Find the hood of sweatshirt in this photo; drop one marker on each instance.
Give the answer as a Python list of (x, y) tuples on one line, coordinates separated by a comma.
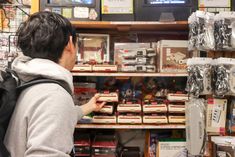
[(28, 69)]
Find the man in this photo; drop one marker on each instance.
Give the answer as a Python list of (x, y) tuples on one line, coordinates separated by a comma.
[(45, 116)]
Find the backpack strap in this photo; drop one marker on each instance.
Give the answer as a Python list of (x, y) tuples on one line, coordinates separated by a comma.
[(43, 80)]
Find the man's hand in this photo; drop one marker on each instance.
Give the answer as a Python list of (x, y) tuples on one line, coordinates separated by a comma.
[(96, 105)]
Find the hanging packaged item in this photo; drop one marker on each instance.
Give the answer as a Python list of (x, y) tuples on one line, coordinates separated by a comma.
[(201, 31), (85, 10), (216, 115), (224, 76), (199, 76), (224, 31), (195, 126)]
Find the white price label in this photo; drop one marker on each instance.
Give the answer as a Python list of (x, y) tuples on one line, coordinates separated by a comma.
[(81, 12), (214, 3)]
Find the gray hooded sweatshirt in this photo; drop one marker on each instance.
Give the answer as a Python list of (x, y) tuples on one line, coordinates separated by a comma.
[(45, 116)]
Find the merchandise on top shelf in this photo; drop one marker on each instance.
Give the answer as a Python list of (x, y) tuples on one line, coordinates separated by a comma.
[(104, 68), (93, 48), (223, 146), (171, 55), (224, 28), (86, 10), (208, 31), (195, 126), (105, 146), (201, 31), (164, 10), (224, 76), (82, 68), (199, 78), (216, 115), (117, 10), (135, 57)]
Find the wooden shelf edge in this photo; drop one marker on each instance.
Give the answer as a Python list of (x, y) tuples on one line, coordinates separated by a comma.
[(131, 74), (132, 25), (129, 126)]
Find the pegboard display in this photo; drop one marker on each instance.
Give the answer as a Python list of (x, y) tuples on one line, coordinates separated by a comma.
[(11, 16)]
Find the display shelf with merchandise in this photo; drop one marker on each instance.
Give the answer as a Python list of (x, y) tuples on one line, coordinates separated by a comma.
[(130, 126), (121, 74)]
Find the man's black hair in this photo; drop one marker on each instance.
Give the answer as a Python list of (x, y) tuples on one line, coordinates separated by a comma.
[(45, 35)]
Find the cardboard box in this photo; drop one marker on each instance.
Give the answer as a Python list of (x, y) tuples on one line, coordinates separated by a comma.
[(104, 119), (216, 115), (171, 55), (170, 148), (152, 119)]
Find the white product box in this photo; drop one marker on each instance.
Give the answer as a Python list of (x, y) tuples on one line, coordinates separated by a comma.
[(171, 55), (104, 68), (154, 108), (129, 119), (155, 119), (170, 148), (104, 119), (82, 68), (107, 109), (176, 119), (176, 108), (216, 115), (129, 108)]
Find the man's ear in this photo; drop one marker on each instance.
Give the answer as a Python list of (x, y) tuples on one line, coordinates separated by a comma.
[(70, 46)]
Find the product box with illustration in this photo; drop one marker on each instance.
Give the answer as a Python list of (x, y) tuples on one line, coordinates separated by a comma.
[(171, 55)]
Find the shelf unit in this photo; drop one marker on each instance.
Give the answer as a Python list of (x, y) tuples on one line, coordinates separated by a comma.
[(129, 126), (132, 26), (119, 74)]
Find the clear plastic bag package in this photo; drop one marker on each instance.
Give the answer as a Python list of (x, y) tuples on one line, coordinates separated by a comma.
[(224, 32), (199, 76), (201, 34), (195, 126), (224, 76)]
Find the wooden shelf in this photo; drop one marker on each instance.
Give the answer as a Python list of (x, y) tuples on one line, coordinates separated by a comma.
[(129, 126), (132, 25), (131, 74)]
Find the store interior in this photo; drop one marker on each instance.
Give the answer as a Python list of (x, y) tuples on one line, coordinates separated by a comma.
[(166, 69)]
